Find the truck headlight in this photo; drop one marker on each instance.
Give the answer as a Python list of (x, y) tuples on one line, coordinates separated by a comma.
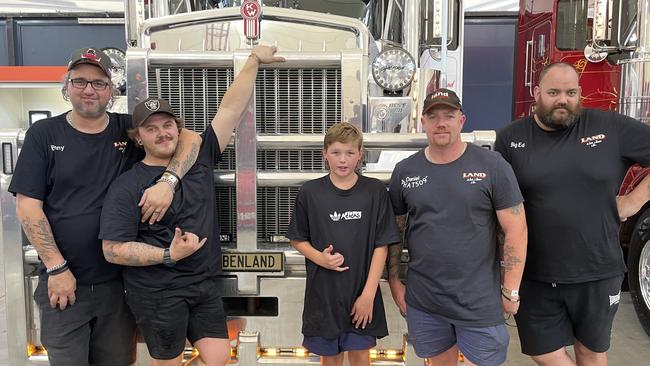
[(393, 69)]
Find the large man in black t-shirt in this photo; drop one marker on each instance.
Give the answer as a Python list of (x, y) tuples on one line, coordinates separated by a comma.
[(570, 163), (172, 264), (63, 172)]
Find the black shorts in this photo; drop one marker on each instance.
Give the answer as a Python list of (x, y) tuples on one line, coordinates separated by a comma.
[(97, 330), (553, 316), (167, 318)]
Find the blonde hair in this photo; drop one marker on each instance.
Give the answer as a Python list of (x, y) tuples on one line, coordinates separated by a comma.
[(343, 132)]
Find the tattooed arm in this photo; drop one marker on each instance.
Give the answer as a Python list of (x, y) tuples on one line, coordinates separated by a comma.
[(156, 199), (397, 288), (61, 287), (515, 240), (138, 254), (629, 204)]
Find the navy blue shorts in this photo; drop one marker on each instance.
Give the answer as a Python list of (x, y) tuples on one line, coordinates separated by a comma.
[(348, 341), (432, 335)]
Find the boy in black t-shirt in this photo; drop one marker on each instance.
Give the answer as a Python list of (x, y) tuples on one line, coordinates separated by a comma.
[(342, 223), (169, 273)]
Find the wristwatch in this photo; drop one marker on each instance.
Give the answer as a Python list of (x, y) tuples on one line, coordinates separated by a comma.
[(167, 258)]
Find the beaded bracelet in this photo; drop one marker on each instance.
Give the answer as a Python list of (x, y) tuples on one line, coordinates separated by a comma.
[(58, 271), (58, 266)]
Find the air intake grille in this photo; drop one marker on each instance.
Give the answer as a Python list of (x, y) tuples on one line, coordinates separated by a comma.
[(287, 100), (274, 207)]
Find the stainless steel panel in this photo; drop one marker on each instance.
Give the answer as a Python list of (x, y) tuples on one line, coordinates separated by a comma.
[(16, 299), (136, 77), (221, 29), (635, 89)]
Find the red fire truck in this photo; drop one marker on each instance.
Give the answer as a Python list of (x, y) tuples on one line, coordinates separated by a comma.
[(607, 42)]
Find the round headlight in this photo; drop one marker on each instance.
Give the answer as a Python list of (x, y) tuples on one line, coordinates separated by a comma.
[(118, 67), (393, 69)]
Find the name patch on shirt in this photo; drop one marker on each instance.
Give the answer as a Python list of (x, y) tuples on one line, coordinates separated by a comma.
[(414, 182), (594, 140)]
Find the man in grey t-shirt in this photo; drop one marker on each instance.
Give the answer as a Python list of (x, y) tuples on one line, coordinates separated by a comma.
[(456, 196)]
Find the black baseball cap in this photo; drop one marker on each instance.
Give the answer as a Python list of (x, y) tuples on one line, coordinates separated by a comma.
[(148, 107), (441, 96), (93, 56)]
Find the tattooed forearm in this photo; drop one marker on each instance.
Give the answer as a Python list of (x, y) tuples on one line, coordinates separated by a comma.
[(510, 259), (395, 251), (40, 236), (132, 253), (184, 158), (191, 158), (394, 260)]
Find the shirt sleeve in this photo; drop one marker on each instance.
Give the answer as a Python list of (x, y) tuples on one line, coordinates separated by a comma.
[(120, 215), (32, 168), (395, 192), (633, 139), (505, 189), (210, 151), (299, 226), (386, 227), (500, 145)]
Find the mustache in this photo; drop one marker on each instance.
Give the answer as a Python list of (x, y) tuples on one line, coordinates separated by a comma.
[(163, 139)]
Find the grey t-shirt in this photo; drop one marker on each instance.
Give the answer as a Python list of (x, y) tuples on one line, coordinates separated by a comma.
[(454, 264)]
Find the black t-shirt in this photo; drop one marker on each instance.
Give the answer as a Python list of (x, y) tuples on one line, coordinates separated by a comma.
[(192, 209), (454, 266), (355, 222), (570, 179), (70, 171)]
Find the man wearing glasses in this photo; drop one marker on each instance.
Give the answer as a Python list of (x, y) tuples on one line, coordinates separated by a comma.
[(65, 167)]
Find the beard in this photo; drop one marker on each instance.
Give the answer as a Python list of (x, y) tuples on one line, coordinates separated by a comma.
[(546, 116)]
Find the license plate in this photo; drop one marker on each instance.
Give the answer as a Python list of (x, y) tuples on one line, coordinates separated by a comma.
[(253, 262)]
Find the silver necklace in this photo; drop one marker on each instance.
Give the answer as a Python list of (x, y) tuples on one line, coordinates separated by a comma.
[(68, 117)]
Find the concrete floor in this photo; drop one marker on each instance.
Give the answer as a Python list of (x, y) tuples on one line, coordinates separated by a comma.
[(630, 344)]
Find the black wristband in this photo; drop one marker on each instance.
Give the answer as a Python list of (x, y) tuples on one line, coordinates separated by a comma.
[(58, 271)]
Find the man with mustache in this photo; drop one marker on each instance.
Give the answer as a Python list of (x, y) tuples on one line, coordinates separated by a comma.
[(570, 163), (456, 195), (171, 266)]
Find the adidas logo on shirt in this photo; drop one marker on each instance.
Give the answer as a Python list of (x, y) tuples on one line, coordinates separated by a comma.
[(349, 215)]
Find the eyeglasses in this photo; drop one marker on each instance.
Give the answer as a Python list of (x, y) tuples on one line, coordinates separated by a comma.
[(80, 83)]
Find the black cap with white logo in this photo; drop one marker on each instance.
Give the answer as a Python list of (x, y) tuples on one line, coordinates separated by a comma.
[(148, 107), (441, 96)]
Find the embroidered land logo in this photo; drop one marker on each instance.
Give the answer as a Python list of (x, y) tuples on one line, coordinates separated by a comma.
[(414, 182), (594, 140), (348, 215), (120, 145), (472, 178)]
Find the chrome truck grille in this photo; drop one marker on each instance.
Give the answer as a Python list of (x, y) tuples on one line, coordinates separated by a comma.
[(288, 101)]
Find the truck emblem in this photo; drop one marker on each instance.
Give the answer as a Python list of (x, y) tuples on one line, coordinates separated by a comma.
[(251, 10)]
